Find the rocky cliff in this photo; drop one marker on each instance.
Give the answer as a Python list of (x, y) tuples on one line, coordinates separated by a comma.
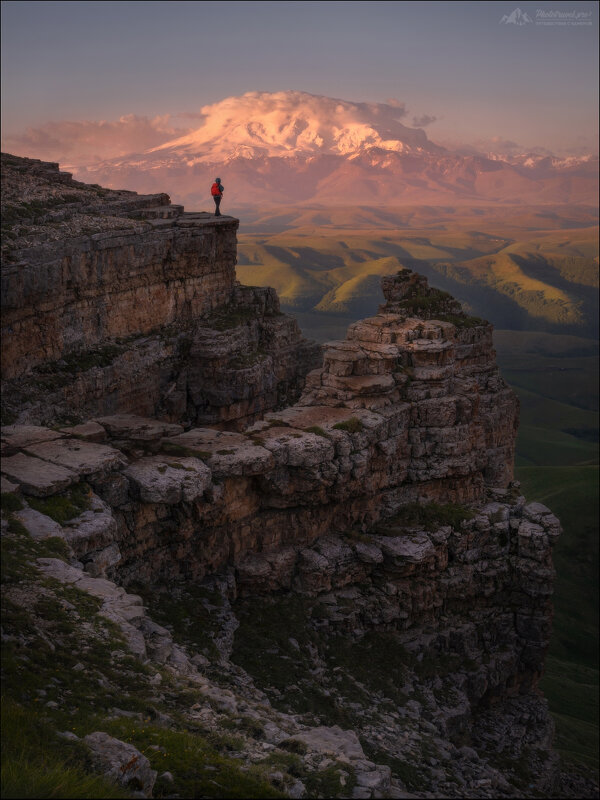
[(353, 583), (113, 301)]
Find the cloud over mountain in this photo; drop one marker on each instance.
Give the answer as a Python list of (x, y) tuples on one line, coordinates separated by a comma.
[(285, 123), (84, 142), (294, 147)]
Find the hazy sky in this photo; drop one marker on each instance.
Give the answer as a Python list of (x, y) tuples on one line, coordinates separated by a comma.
[(535, 84)]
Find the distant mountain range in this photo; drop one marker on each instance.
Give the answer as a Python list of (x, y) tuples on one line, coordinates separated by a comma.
[(294, 147)]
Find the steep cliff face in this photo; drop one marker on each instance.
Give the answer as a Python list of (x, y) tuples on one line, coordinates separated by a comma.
[(112, 301), (368, 537), (405, 410)]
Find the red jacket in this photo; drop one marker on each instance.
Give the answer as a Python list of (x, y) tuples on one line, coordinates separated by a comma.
[(215, 190)]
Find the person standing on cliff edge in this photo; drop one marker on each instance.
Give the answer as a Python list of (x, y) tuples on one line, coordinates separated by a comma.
[(217, 192)]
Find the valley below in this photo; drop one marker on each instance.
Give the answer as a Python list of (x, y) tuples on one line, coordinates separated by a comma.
[(533, 272)]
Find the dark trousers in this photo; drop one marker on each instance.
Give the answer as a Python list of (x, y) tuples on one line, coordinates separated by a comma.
[(217, 199)]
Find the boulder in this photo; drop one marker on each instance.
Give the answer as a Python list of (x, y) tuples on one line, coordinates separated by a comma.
[(332, 741), (121, 763), (139, 429)]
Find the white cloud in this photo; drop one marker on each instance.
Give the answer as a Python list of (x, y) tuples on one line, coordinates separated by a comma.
[(282, 123), (85, 142)]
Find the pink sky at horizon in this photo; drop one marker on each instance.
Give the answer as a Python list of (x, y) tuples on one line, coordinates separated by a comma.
[(84, 81)]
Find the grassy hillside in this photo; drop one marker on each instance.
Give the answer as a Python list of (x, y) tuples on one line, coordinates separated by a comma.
[(524, 269), (556, 378), (571, 679)]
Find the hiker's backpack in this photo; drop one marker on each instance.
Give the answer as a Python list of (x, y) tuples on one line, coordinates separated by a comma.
[(215, 190)]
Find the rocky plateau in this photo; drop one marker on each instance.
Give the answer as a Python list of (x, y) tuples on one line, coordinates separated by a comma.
[(324, 553)]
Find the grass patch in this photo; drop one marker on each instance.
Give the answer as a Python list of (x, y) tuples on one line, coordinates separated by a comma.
[(462, 320), (227, 317), (571, 678), (376, 660), (38, 764), (189, 611), (74, 363), (572, 691), (336, 780), (266, 626), (10, 502), (172, 449), (317, 430), (375, 663), (408, 773), (18, 551), (435, 302), (246, 725), (352, 425), (198, 768), (63, 507)]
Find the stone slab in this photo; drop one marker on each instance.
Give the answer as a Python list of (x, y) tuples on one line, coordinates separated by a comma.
[(332, 741), (306, 417), (207, 440), (120, 762), (90, 431), (84, 458), (411, 547), (15, 437), (37, 477), (92, 530), (169, 479), (226, 453), (366, 384), (296, 448), (56, 568)]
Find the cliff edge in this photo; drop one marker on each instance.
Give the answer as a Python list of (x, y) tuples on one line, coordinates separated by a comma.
[(119, 302), (210, 533)]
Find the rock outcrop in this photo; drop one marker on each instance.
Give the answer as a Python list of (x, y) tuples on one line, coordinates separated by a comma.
[(367, 506), (113, 301), (404, 410)]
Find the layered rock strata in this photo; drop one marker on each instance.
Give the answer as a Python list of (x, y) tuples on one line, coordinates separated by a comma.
[(118, 302), (459, 609), (404, 410), (407, 416)]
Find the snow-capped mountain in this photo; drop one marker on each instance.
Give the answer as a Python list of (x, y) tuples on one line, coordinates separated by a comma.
[(282, 124), (294, 147)]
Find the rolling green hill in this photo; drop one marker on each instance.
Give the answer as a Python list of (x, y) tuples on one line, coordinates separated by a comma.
[(520, 268), (556, 378)]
